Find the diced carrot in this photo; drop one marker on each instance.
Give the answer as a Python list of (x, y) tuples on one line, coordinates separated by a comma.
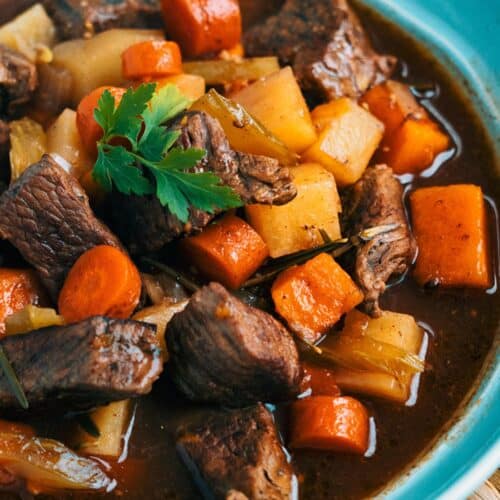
[(313, 297), (413, 146), (335, 424), (18, 288), (151, 59), (103, 281), (450, 225), (391, 102), (7, 427), (229, 251), (90, 131), (202, 26), (320, 380)]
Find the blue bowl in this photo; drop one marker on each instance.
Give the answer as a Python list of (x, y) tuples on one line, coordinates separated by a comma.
[(463, 35)]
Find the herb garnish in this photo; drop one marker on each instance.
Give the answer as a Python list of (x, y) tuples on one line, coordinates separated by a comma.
[(139, 118), (12, 380)]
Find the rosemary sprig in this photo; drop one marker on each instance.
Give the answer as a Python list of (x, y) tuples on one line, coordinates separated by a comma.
[(335, 248), (176, 275), (12, 380)]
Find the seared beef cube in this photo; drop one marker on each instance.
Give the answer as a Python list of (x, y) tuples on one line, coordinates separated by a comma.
[(375, 200), (4, 146), (145, 226), (83, 18), (237, 454), (325, 43), (46, 215), (82, 365), (223, 351), (18, 81)]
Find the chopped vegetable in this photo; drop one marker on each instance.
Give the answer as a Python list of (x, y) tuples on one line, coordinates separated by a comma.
[(348, 137), (376, 356), (97, 61), (28, 143), (111, 421), (103, 281), (277, 102), (162, 288), (320, 380), (203, 26), (229, 70), (90, 131), (298, 224), (451, 228), (190, 86), (160, 315), (138, 119), (228, 251), (314, 296), (18, 288), (31, 318), (48, 464), (339, 424), (391, 102), (411, 140), (243, 132), (32, 33), (64, 139), (413, 146), (151, 59)]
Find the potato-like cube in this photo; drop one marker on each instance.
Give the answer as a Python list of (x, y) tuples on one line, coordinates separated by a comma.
[(111, 422), (97, 61), (391, 102), (63, 139), (395, 329), (348, 137), (192, 86), (451, 228), (295, 226), (277, 102)]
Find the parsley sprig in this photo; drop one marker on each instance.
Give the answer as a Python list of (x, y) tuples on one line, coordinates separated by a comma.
[(140, 118)]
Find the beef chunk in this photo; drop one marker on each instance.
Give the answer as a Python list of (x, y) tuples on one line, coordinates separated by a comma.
[(375, 200), (83, 18), (237, 454), (46, 215), (4, 146), (223, 351), (144, 225), (326, 45), (82, 365), (18, 81)]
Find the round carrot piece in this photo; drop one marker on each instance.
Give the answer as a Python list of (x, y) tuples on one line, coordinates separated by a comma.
[(151, 59), (103, 281), (90, 131)]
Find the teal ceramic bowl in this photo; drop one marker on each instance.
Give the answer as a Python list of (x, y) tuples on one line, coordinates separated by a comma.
[(463, 35)]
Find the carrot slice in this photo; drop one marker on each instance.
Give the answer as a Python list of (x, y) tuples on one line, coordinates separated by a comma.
[(451, 228), (202, 26), (229, 251), (151, 59), (90, 131), (18, 288), (320, 380), (313, 297), (325, 423), (103, 281)]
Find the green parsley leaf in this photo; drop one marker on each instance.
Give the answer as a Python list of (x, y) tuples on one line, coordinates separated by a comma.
[(140, 117), (116, 164)]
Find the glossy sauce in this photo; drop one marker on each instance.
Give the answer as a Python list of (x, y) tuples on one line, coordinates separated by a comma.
[(461, 326)]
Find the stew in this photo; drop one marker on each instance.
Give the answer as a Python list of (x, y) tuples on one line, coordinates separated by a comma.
[(277, 233)]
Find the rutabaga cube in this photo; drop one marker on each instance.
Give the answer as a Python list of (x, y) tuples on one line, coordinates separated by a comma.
[(277, 102), (348, 137), (295, 226)]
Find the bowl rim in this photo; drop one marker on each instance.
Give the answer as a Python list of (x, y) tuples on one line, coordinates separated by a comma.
[(468, 451)]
